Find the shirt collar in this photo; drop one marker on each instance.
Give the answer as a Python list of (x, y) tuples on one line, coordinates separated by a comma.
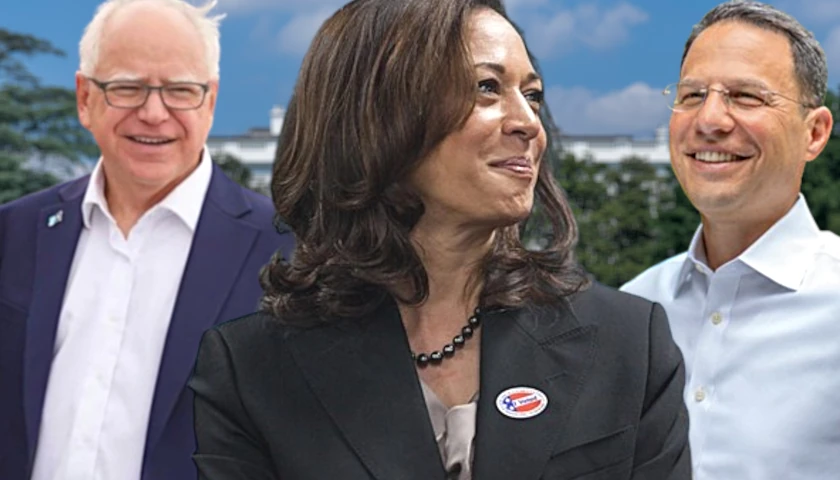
[(783, 254), (185, 200), (694, 260)]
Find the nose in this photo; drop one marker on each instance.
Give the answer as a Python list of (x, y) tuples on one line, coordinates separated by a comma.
[(153, 111), (521, 119), (714, 117)]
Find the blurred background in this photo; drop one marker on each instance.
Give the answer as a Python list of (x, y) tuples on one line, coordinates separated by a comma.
[(605, 64)]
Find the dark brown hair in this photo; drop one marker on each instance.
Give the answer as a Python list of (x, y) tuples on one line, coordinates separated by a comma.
[(383, 83)]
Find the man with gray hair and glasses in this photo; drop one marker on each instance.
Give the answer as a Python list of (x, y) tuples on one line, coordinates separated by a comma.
[(108, 282), (754, 303)]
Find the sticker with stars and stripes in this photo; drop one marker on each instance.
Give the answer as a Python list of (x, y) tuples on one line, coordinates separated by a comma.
[(521, 402)]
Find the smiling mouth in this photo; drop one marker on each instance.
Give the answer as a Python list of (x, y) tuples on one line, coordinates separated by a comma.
[(153, 141), (717, 157), (520, 166)]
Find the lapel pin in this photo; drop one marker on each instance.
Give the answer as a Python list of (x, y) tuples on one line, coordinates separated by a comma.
[(521, 402), (55, 218)]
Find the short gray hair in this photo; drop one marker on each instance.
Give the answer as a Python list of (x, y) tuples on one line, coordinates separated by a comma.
[(206, 26), (808, 56)]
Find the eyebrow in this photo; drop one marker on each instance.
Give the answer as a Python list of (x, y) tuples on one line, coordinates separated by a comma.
[(124, 77), (500, 69), (133, 77), (190, 79), (730, 83)]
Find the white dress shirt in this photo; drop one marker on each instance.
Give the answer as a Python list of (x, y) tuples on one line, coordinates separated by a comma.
[(761, 341), (111, 332)]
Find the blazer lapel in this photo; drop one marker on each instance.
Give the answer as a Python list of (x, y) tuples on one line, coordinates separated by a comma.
[(220, 247), (58, 227), (545, 349), (363, 375)]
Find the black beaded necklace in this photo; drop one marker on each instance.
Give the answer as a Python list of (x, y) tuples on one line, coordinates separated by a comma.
[(435, 358)]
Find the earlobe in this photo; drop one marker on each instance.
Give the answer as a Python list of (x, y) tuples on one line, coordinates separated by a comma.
[(820, 126)]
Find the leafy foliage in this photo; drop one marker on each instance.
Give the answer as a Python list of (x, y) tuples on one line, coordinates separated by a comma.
[(631, 215), (36, 121), (234, 168), (16, 181)]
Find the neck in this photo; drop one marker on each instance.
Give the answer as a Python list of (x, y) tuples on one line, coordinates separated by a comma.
[(128, 201), (726, 239), (452, 258)]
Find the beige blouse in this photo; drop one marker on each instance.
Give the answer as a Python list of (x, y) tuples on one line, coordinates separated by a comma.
[(454, 433)]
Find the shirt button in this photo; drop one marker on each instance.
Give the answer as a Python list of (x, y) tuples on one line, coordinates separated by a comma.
[(698, 267), (717, 318), (699, 395)]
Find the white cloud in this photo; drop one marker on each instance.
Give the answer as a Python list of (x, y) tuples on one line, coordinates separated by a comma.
[(550, 31), (587, 24), (613, 26), (635, 109), (295, 37)]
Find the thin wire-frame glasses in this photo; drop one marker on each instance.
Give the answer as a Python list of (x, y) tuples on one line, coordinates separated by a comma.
[(685, 97)]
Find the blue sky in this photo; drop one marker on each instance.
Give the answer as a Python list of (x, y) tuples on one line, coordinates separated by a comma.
[(604, 61)]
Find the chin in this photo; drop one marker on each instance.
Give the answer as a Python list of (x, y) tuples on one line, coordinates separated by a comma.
[(154, 175), (710, 203), (512, 218)]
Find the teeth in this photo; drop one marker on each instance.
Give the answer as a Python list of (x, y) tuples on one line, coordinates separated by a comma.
[(715, 157), (151, 141)]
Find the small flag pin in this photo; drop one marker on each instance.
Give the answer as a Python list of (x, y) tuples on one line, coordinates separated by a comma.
[(55, 218)]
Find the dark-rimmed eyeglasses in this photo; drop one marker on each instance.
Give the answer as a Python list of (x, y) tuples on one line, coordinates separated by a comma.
[(686, 97), (175, 96)]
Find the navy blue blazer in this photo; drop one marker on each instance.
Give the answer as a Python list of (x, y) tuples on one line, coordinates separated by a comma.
[(234, 238)]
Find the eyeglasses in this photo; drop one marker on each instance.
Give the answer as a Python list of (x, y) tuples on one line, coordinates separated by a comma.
[(175, 96), (686, 97)]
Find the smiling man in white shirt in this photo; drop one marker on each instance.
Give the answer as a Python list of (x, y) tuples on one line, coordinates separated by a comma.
[(754, 303), (108, 282)]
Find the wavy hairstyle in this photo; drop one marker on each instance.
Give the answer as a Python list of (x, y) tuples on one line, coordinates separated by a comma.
[(383, 83)]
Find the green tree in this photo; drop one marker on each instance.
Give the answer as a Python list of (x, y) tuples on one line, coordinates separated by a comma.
[(616, 207), (16, 181), (631, 215), (234, 168), (239, 173), (677, 219), (36, 121)]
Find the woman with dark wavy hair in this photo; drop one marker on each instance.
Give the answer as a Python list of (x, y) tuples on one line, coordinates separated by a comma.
[(412, 335)]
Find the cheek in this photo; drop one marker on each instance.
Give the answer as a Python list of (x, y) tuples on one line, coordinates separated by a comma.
[(677, 126), (541, 145), (774, 135), (106, 123), (195, 124)]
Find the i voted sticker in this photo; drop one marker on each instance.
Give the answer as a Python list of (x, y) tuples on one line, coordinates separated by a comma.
[(521, 402)]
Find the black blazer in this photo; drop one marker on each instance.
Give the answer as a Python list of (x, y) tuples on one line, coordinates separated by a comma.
[(344, 401)]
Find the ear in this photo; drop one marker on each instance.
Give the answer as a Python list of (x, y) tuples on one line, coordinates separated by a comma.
[(820, 125), (83, 100), (212, 92)]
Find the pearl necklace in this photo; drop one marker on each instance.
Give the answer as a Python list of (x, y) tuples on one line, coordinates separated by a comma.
[(435, 358)]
